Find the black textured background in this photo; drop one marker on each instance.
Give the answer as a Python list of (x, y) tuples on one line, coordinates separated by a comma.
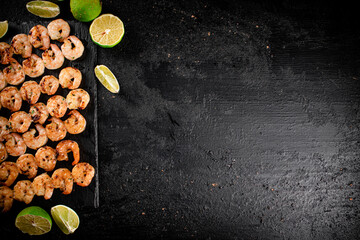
[(235, 120)]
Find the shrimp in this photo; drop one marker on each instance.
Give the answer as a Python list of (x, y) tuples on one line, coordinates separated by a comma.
[(30, 91), (77, 99), (3, 152), (21, 45), (20, 121), (66, 146), (6, 52), (83, 173), (39, 113), (39, 37), (10, 98), (8, 173), (6, 198), (14, 74), (45, 158), (76, 123), (3, 82), (34, 66), (56, 130), (49, 84), (53, 57), (23, 191), (27, 165), (70, 78), (4, 127), (57, 106), (62, 179), (72, 48), (35, 142), (43, 186), (58, 30), (15, 145)]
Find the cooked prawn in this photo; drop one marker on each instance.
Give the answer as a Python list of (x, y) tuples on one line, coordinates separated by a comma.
[(62, 179), (57, 106), (21, 45), (10, 98), (35, 142), (76, 123), (72, 48), (27, 165), (53, 57), (20, 121), (23, 191), (14, 74), (77, 99), (3, 152), (4, 127), (39, 37), (66, 146), (3, 82), (43, 186), (83, 173), (70, 78), (30, 91), (15, 145), (45, 158), (49, 84), (8, 173), (39, 113), (56, 130), (58, 30), (6, 198), (6, 52), (34, 66)]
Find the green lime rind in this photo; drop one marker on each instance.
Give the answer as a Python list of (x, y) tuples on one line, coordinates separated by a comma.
[(34, 221), (85, 10), (65, 218), (44, 9), (108, 46)]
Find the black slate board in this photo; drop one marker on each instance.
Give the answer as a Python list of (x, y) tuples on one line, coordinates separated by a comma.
[(84, 198)]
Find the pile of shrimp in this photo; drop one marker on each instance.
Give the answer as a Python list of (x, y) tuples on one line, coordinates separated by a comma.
[(52, 120)]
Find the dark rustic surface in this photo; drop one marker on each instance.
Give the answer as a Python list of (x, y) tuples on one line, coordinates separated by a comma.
[(234, 121)]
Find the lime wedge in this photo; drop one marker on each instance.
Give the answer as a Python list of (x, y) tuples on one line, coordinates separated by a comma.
[(107, 30), (107, 78), (4, 25), (65, 218), (44, 9), (33, 221)]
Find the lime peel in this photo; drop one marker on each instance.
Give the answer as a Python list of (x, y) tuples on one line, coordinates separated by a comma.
[(33, 221), (65, 218), (107, 78), (107, 30), (44, 9)]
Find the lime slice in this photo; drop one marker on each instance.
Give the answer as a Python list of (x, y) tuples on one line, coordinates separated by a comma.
[(43, 9), (34, 221), (66, 218), (107, 78), (3, 28), (107, 30)]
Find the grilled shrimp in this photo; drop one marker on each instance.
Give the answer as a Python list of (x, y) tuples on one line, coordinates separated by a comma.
[(10, 98), (23, 191), (76, 123), (39, 37), (8, 173), (72, 48), (30, 91), (34, 66), (43, 186), (6, 198), (70, 78), (20, 121), (77, 99), (49, 84), (66, 146), (3, 152), (3, 82), (4, 127), (14, 74), (45, 158), (6, 52), (57, 106), (35, 142), (39, 113), (15, 145), (62, 179), (53, 57), (27, 165), (58, 30), (21, 45), (83, 173), (56, 130)]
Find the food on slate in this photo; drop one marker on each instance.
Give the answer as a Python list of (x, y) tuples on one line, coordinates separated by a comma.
[(4, 25), (107, 78), (85, 10), (107, 30), (66, 218), (44, 9), (33, 221)]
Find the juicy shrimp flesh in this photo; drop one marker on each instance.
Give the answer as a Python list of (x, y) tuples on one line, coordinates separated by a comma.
[(58, 30), (45, 158), (76, 123), (23, 191), (57, 106), (56, 130), (39, 37), (14, 74), (63, 179), (3, 152), (30, 91), (21, 45), (6, 198), (72, 48), (10, 98), (43, 186), (34, 142), (6, 52), (77, 99), (49, 84), (39, 113), (3, 82), (20, 121), (4, 127), (53, 57), (70, 78), (83, 173), (15, 145), (66, 146), (33, 66), (8, 173), (27, 165)]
